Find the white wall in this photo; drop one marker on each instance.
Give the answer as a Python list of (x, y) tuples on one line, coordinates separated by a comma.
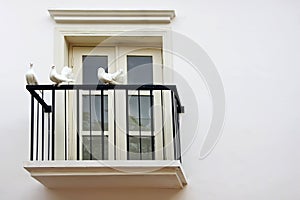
[(255, 46)]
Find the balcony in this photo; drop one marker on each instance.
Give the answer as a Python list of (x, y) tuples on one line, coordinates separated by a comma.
[(102, 136)]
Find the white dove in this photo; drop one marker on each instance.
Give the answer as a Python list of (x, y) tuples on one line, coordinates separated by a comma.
[(58, 78), (67, 72), (30, 76), (108, 78)]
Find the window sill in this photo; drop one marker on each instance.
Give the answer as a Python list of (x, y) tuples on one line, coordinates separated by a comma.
[(107, 174)]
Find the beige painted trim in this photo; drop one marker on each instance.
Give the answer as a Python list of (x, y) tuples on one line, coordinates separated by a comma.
[(112, 16)]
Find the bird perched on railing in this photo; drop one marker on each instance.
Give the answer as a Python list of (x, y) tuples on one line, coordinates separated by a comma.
[(60, 78), (67, 72), (110, 78), (30, 76)]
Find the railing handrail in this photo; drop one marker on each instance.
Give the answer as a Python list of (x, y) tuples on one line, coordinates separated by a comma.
[(32, 89), (102, 87)]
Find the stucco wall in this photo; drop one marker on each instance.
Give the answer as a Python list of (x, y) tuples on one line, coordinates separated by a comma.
[(254, 46)]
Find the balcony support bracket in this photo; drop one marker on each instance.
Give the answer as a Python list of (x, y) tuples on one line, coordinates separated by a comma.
[(47, 108)]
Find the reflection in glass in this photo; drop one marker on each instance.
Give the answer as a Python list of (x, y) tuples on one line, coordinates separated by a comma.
[(144, 112), (139, 70), (134, 148), (90, 65), (96, 152), (93, 119)]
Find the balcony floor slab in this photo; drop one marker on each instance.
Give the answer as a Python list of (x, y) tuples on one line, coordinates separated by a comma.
[(108, 174)]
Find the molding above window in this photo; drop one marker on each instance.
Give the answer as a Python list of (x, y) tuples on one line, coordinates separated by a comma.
[(112, 16)]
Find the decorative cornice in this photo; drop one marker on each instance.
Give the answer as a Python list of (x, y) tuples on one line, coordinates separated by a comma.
[(112, 16)]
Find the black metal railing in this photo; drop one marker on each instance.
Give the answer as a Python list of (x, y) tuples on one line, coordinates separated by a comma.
[(68, 122)]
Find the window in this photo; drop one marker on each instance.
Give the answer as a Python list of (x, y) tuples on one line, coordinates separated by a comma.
[(94, 115), (142, 65), (141, 143)]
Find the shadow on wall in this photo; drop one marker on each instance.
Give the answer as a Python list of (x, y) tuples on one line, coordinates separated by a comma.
[(115, 194)]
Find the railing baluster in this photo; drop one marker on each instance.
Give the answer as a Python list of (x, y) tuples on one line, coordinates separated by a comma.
[(37, 130), (91, 144), (48, 125), (173, 126), (177, 138), (102, 124), (115, 126), (162, 124), (77, 127), (65, 106), (178, 135), (152, 124), (127, 126), (32, 129), (175, 123), (140, 124), (53, 125), (43, 128)]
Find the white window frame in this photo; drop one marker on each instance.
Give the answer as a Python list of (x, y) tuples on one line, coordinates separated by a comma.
[(78, 23)]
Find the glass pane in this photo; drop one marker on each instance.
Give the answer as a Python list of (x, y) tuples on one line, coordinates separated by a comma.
[(133, 117), (96, 152), (144, 112), (90, 65), (147, 148), (95, 114), (139, 70), (134, 148)]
